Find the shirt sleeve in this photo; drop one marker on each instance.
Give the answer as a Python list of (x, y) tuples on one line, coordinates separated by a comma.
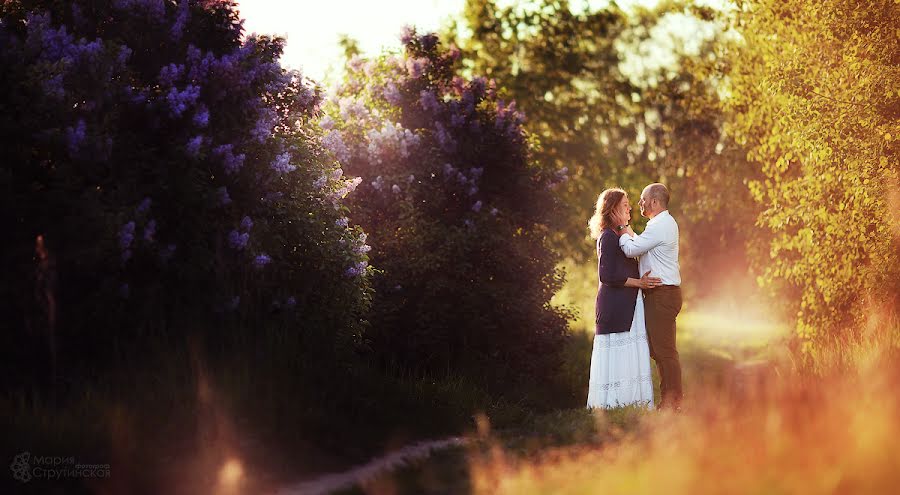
[(612, 272), (635, 246)]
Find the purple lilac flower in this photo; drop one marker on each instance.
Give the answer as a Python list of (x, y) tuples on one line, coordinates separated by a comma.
[(428, 101), (341, 222), (170, 74), (428, 41), (392, 94), (53, 86), (193, 146), (348, 187), (445, 140), (508, 119), (357, 269), (75, 136), (231, 162), (477, 206), (334, 142), (238, 240), (473, 190), (369, 68), (262, 129), (407, 33), (290, 302), (320, 182), (410, 179), (181, 20), (201, 118), (362, 248), (469, 223), (456, 119), (416, 67), (326, 123), (144, 205), (494, 211), (150, 231), (262, 260), (396, 189), (246, 224), (179, 101), (352, 107), (282, 164), (126, 235), (378, 183), (356, 63)]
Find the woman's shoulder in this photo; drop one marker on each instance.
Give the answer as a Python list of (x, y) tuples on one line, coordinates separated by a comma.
[(608, 237), (606, 234)]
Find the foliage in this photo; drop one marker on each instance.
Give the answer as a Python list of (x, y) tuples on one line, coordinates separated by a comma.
[(562, 68), (459, 218), (613, 125), (812, 93), (172, 173)]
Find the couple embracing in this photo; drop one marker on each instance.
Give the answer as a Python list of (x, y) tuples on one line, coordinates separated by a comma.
[(638, 299)]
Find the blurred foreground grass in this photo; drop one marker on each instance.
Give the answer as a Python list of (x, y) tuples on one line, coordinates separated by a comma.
[(757, 420)]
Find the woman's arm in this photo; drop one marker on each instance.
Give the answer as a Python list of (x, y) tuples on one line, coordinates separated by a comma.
[(612, 273)]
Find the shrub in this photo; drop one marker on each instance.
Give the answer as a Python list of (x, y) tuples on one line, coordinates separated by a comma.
[(172, 177), (458, 216)]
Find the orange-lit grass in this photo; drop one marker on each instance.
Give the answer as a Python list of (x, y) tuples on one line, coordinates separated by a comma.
[(763, 433)]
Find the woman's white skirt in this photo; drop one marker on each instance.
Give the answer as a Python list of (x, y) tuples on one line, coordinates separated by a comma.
[(620, 366)]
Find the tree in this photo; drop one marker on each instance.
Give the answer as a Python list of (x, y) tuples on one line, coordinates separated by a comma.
[(458, 216), (812, 95), (615, 127), (170, 176)]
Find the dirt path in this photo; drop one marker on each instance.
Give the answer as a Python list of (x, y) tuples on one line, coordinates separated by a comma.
[(378, 466)]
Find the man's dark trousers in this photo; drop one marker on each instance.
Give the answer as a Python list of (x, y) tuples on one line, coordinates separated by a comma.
[(662, 306)]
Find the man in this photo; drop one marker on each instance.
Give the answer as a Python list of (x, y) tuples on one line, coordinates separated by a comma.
[(657, 247)]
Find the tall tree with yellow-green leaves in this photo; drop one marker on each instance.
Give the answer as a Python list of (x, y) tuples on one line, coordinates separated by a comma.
[(814, 95)]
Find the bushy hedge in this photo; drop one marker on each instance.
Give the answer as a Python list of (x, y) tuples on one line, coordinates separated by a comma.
[(174, 177), (458, 216)]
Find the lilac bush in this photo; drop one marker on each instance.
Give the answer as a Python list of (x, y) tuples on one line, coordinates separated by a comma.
[(458, 217), (156, 148)]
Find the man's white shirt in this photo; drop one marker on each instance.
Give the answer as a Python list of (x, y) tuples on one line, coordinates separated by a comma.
[(657, 247)]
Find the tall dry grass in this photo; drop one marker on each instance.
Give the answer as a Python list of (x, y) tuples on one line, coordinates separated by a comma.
[(828, 425)]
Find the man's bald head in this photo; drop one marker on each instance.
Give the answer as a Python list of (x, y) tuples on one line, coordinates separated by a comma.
[(654, 199), (660, 193)]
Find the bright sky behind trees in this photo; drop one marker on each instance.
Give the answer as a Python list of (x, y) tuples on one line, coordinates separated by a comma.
[(313, 28)]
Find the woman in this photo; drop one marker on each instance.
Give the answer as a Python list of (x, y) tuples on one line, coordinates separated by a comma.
[(620, 363)]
